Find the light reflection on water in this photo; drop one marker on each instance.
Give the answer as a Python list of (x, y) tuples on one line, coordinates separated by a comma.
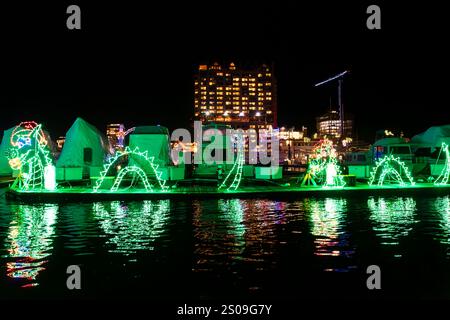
[(30, 241), (239, 242), (131, 227), (393, 218), (442, 206), (326, 220)]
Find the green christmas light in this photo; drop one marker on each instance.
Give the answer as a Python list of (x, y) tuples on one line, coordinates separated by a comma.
[(137, 170), (445, 173), (30, 155), (442, 207), (30, 240), (326, 217), (393, 217), (134, 226), (390, 169), (323, 167), (236, 170)]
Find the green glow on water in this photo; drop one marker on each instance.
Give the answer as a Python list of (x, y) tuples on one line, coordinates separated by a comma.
[(235, 213), (132, 227), (30, 240), (326, 216), (393, 218), (442, 206)]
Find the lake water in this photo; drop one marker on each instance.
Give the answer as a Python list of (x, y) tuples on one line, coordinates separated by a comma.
[(215, 249)]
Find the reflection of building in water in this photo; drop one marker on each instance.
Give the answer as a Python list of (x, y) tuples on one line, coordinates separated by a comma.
[(134, 226), (30, 240), (392, 218), (442, 205), (326, 218)]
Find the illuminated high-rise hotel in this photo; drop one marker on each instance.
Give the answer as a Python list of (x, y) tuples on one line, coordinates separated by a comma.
[(237, 97)]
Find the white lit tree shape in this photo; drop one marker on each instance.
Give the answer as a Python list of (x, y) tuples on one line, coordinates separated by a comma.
[(323, 167)]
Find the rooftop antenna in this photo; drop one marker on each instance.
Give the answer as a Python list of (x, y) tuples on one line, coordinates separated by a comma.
[(340, 78)]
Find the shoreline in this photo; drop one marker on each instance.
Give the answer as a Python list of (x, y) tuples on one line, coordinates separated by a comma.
[(87, 194)]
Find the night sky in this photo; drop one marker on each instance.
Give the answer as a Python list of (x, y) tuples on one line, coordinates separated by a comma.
[(135, 64)]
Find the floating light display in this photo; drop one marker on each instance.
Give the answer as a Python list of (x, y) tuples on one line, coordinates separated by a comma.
[(445, 173), (236, 170), (30, 155), (145, 162), (390, 169)]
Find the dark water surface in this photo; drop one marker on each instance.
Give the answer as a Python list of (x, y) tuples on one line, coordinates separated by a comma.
[(308, 248)]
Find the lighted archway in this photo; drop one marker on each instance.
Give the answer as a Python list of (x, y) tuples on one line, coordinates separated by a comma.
[(143, 159), (135, 170), (390, 169)]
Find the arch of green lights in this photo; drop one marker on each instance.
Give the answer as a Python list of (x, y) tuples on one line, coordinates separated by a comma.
[(136, 171), (144, 158), (386, 170), (445, 173), (235, 174)]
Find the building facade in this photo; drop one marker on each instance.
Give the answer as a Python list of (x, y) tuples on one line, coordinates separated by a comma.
[(329, 125), (237, 97)]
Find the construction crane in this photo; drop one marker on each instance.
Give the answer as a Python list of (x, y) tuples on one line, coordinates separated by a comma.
[(340, 78)]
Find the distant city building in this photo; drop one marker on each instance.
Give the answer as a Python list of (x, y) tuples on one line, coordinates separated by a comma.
[(295, 146), (60, 143), (237, 97), (116, 134), (329, 125)]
